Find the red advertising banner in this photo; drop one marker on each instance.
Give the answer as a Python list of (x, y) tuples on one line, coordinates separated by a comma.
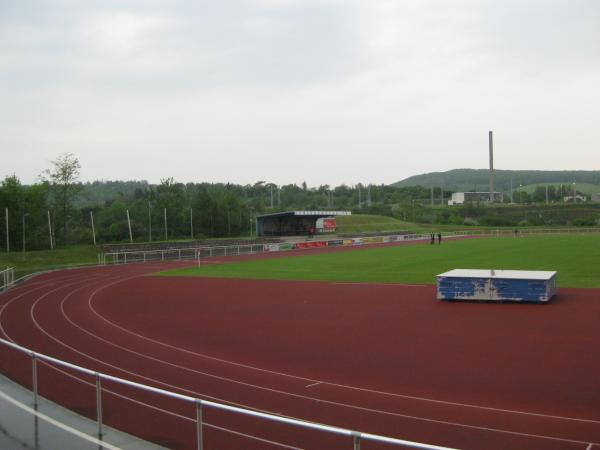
[(301, 245)]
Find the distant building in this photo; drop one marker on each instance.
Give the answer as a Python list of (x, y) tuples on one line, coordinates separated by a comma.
[(578, 198), (458, 198), (596, 197)]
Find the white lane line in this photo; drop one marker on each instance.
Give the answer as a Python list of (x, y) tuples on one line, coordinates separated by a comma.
[(311, 380), (103, 279), (58, 424), (371, 410), (314, 384), (589, 447)]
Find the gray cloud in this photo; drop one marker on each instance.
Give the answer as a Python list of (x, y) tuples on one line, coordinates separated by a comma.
[(287, 90)]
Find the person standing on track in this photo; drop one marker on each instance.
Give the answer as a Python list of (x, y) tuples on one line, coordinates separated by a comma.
[(439, 238)]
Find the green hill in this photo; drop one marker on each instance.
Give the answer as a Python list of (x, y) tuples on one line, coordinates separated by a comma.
[(478, 179)]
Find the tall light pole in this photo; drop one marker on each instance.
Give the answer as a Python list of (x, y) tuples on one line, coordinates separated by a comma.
[(191, 224), (520, 193), (491, 152), (149, 223), (7, 235), (24, 215), (129, 226), (166, 234), (50, 231), (93, 229)]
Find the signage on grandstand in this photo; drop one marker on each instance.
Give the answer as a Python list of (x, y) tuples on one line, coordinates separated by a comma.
[(326, 224)]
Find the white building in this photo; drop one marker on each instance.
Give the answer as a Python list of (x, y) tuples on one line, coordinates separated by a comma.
[(578, 198), (458, 198)]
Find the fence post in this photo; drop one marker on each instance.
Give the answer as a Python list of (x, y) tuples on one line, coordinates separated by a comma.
[(34, 380), (199, 439), (356, 440), (99, 404)]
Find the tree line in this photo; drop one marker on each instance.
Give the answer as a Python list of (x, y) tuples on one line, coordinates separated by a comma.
[(61, 210)]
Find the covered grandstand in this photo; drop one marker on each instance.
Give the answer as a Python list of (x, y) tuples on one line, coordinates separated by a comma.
[(295, 223)]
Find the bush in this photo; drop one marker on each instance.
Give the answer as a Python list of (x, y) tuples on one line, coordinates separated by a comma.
[(585, 222)]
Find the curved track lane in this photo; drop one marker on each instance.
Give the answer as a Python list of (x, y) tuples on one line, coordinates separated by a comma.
[(379, 358)]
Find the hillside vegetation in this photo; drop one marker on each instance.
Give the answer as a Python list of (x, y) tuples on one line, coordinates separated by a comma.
[(478, 179)]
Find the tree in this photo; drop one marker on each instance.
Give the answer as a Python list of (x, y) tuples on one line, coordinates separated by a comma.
[(63, 178)]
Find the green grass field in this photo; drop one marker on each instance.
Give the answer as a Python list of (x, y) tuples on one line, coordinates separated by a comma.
[(35, 261), (575, 257)]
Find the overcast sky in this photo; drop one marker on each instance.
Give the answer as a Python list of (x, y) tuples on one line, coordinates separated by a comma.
[(322, 91)]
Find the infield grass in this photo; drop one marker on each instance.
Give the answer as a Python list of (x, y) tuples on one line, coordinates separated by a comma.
[(575, 257)]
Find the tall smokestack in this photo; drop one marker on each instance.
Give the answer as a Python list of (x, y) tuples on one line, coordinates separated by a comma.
[(491, 139)]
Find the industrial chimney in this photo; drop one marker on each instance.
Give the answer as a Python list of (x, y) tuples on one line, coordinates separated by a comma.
[(491, 140)]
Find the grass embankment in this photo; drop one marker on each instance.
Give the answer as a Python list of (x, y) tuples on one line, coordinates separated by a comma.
[(365, 223), (575, 257), (36, 261)]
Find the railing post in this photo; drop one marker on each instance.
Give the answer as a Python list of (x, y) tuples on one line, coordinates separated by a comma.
[(34, 380), (99, 404), (356, 440), (200, 444)]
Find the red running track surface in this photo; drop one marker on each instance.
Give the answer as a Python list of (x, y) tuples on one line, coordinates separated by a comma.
[(384, 359)]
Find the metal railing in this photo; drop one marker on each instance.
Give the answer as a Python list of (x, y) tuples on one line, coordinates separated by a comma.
[(175, 254), (355, 436), (8, 278)]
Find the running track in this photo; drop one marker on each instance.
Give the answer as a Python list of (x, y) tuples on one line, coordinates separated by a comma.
[(385, 359)]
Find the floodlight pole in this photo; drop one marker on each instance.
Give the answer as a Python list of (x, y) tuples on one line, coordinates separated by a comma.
[(129, 225), (191, 224), (149, 223), (7, 235), (50, 231), (166, 233), (93, 229), (24, 215), (491, 145)]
